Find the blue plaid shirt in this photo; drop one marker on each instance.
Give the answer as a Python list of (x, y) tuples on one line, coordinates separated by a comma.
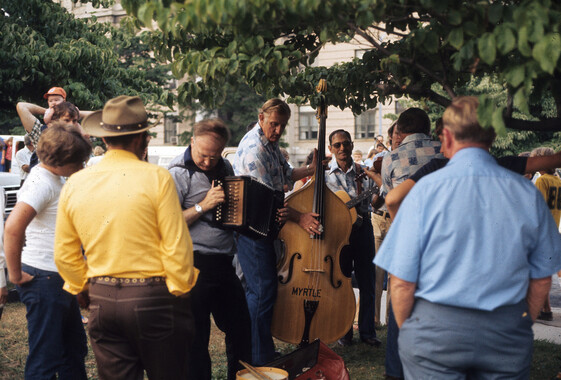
[(414, 152), (258, 157), (337, 180)]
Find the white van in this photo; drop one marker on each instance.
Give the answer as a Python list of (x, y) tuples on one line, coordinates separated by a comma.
[(9, 181)]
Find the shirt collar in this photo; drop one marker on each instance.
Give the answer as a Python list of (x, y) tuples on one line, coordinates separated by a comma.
[(333, 166), (217, 172), (414, 137), (471, 153), (120, 153)]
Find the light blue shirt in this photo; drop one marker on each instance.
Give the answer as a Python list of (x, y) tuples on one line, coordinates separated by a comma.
[(472, 235), (336, 180), (258, 157)]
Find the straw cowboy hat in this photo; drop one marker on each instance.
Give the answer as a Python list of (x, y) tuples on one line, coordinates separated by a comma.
[(123, 115)]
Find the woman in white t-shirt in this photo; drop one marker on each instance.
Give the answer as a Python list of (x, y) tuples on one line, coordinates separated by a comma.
[(56, 337)]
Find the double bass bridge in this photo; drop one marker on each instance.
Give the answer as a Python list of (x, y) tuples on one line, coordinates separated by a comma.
[(311, 270)]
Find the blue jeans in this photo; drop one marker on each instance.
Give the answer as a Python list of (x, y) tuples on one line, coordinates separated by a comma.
[(393, 362), (56, 337), (258, 261)]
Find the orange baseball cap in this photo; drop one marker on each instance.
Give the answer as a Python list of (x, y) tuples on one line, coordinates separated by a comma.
[(55, 91)]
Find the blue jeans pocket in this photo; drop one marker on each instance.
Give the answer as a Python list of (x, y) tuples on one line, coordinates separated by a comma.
[(155, 322)]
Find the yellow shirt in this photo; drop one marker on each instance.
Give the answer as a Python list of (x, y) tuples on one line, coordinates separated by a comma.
[(550, 187), (126, 215)]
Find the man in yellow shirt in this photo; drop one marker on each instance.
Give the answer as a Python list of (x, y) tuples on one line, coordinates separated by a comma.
[(138, 264), (550, 187)]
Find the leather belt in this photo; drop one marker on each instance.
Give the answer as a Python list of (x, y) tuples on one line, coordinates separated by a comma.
[(384, 214), (118, 281)]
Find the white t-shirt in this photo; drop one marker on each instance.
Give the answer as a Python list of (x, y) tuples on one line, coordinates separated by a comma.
[(41, 191), (23, 157)]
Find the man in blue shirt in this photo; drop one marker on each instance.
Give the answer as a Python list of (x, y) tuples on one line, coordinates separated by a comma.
[(474, 270)]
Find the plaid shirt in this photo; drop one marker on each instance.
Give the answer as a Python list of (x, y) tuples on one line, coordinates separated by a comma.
[(258, 157), (415, 151), (36, 131)]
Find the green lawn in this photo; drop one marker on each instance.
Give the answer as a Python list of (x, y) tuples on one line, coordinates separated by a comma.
[(363, 362)]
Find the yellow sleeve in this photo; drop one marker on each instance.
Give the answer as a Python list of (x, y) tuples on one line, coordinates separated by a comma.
[(68, 253), (176, 245), (543, 187)]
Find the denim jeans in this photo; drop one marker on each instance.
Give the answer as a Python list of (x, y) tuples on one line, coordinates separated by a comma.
[(258, 262), (56, 337), (393, 362)]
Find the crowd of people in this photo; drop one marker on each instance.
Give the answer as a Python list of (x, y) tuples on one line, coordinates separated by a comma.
[(467, 243)]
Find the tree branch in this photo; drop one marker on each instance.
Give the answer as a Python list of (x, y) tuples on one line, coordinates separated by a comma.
[(407, 61), (547, 125)]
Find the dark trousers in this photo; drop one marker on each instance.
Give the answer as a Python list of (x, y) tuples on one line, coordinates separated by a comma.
[(219, 292), (139, 327), (358, 256), (393, 362), (56, 336)]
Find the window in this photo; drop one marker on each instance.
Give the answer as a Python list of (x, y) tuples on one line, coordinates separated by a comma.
[(308, 126), (365, 125), (170, 130)]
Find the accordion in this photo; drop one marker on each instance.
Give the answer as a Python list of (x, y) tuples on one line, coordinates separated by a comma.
[(250, 207)]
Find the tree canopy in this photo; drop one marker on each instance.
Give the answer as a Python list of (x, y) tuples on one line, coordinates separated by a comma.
[(42, 45), (423, 49)]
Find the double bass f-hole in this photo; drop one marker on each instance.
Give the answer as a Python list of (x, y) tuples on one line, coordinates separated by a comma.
[(290, 269)]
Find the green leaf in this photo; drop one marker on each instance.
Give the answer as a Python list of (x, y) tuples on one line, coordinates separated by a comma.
[(547, 51), (456, 38), (515, 75), (485, 111), (506, 41), (487, 48), (498, 121), (145, 13), (523, 45), (520, 100), (284, 65), (431, 42), (454, 17), (495, 12)]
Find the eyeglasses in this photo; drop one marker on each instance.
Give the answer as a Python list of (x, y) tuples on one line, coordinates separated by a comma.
[(345, 143)]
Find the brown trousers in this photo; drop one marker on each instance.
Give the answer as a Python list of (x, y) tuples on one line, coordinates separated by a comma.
[(139, 326)]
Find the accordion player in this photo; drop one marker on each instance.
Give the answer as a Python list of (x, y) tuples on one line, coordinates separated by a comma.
[(250, 207)]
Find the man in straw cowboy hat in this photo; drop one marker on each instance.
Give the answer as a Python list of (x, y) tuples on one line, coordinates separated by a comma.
[(139, 255)]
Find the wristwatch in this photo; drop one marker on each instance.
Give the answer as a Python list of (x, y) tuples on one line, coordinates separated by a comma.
[(198, 208)]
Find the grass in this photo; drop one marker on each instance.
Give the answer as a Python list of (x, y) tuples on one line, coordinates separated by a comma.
[(363, 362)]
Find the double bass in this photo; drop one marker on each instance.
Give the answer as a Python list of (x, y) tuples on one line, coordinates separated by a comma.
[(315, 299)]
